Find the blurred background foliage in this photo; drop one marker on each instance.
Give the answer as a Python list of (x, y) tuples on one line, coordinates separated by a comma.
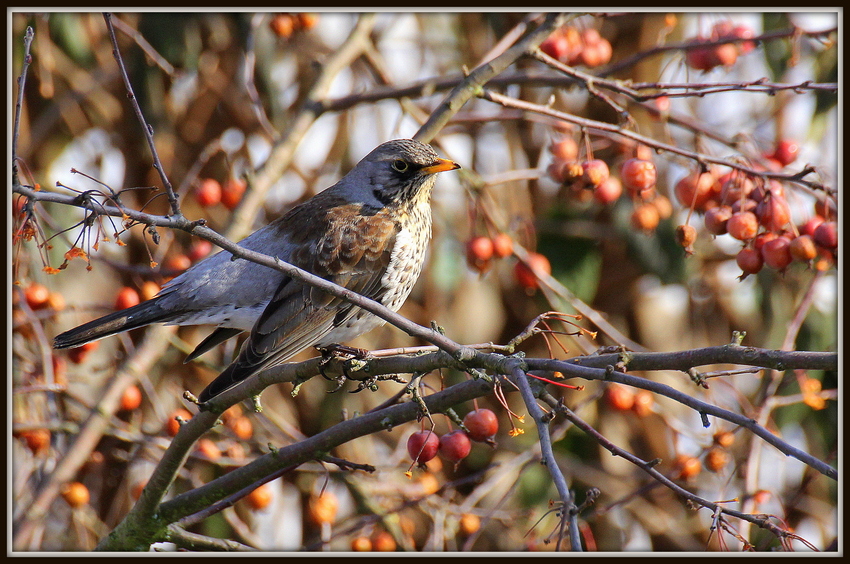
[(217, 88)]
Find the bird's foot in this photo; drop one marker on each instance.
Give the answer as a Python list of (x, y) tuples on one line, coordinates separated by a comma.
[(342, 353)]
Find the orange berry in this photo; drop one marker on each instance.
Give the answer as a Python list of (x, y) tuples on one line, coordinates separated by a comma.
[(503, 245), (306, 21), (643, 403), (323, 508), (361, 544), (619, 397), (37, 440), (149, 290), (687, 467), (260, 497), (127, 297), (172, 426), (595, 172), (242, 427), (645, 217), (697, 188), (138, 487), (56, 301), (209, 449), (638, 175), (724, 438), (716, 459), (36, 295), (76, 494), (469, 523), (282, 25), (608, 192), (131, 398), (383, 542), (565, 149)]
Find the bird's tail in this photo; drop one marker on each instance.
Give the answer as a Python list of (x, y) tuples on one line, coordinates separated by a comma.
[(131, 318), (231, 376)]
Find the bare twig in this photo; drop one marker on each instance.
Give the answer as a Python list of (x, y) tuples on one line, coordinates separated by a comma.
[(19, 103), (148, 130)]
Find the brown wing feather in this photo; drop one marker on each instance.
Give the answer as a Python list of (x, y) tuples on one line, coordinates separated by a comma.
[(354, 256)]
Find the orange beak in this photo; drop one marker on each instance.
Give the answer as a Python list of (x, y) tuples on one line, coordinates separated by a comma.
[(441, 165)]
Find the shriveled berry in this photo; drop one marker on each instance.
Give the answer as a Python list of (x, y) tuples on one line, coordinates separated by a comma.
[(686, 235), (595, 172)]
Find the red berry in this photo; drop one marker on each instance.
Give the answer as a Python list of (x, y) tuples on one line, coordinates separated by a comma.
[(638, 175), (455, 446), (743, 225), (699, 58), (608, 192), (722, 55), (810, 226), (763, 238), (481, 424), (199, 250), (422, 446), (803, 248), (525, 275), (556, 46), (127, 297), (177, 263), (826, 235), (717, 218), (744, 32), (208, 192), (734, 187), (773, 212), (746, 204), (503, 245), (749, 260), (786, 151), (619, 397), (232, 192), (78, 354), (777, 253), (479, 251), (595, 172)]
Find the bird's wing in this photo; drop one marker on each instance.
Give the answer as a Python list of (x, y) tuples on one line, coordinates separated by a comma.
[(354, 253)]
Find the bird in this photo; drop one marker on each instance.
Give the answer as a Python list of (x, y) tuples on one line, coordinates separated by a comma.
[(368, 233)]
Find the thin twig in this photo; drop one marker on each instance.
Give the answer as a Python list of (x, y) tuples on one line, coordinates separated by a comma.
[(19, 103), (148, 130)]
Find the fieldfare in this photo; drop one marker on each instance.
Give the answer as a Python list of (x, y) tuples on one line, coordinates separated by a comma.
[(367, 233)]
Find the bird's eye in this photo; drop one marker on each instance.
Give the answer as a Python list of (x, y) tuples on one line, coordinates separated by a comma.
[(400, 165)]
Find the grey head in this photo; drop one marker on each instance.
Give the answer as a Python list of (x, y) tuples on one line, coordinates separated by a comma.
[(394, 173)]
